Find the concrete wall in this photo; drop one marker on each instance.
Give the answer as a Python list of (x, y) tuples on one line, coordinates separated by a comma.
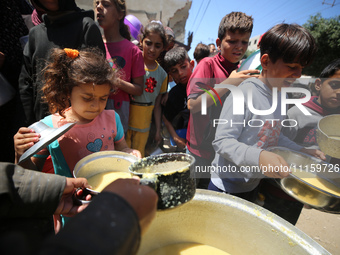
[(172, 13), (252, 46)]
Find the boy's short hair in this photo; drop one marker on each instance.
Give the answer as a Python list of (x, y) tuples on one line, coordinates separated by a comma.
[(175, 56), (201, 51), (235, 22), (330, 70), (290, 42)]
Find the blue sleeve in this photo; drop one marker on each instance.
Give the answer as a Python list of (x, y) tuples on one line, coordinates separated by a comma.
[(120, 129)]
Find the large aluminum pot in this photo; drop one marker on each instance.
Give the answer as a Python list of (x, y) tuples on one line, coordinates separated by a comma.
[(328, 135), (228, 223)]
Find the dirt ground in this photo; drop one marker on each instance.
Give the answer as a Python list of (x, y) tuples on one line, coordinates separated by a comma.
[(323, 227)]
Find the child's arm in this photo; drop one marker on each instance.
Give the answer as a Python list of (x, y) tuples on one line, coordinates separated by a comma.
[(157, 112), (135, 87), (273, 165), (24, 139), (286, 142), (235, 78), (181, 143), (314, 152), (122, 146)]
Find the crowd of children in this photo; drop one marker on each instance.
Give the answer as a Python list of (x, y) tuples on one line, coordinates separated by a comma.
[(114, 90)]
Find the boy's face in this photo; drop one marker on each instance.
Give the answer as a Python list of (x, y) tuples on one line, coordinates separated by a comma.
[(329, 91), (182, 71), (233, 46), (279, 74)]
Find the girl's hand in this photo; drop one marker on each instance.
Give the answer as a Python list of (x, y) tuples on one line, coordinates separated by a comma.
[(24, 139), (133, 152)]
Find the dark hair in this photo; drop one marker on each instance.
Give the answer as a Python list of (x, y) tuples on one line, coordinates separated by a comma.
[(330, 70), (123, 29), (155, 27), (175, 56), (64, 5), (235, 22), (201, 51), (63, 73), (290, 42)]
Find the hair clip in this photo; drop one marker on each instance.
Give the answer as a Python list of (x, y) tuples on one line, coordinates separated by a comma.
[(71, 53)]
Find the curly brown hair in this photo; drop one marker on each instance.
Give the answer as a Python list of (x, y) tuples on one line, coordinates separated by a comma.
[(63, 73)]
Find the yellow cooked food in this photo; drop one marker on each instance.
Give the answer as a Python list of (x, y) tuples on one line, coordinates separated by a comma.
[(166, 167), (318, 182), (101, 180), (188, 249)]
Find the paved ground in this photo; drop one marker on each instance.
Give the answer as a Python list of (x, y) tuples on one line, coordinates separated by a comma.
[(324, 228)]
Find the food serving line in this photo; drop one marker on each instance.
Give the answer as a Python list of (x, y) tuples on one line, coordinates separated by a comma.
[(235, 226)]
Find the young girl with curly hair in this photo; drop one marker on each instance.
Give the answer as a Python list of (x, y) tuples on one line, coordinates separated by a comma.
[(77, 86)]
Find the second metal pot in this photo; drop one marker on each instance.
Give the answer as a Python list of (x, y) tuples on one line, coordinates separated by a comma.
[(173, 183)]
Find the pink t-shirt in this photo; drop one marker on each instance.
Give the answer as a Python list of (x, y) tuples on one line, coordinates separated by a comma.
[(211, 71), (129, 59), (82, 140)]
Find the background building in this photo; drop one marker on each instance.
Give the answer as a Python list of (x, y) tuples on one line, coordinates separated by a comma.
[(172, 13), (252, 46)]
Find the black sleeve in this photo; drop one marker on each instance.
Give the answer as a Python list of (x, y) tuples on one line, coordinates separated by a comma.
[(26, 84), (92, 35), (26, 193), (108, 225)]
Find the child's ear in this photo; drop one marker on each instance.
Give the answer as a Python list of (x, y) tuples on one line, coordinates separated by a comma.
[(192, 64), (218, 44), (317, 84), (264, 61)]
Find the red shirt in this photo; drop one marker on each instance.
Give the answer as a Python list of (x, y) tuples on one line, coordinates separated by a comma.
[(209, 71)]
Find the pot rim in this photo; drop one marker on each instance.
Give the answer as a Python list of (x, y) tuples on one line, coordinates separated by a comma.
[(323, 119), (148, 160)]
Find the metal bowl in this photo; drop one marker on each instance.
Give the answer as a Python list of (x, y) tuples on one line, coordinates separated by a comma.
[(228, 223), (328, 135), (101, 162), (307, 166)]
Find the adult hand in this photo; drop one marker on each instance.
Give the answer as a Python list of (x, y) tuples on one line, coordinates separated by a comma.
[(67, 205), (273, 165), (142, 199)]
